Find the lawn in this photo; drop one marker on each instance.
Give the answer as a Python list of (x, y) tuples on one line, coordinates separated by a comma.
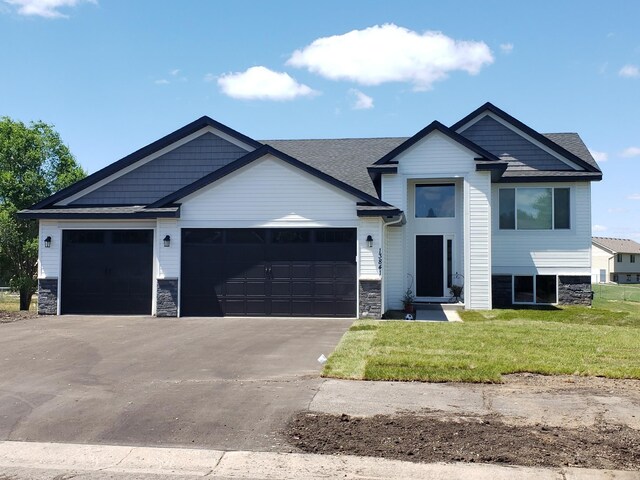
[(601, 341), (10, 302)]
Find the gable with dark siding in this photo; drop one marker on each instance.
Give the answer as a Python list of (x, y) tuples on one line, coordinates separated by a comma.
[(167, 173), (503, 142)]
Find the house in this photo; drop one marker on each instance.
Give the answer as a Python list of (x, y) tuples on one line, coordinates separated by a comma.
[(615, 260), (207, 221)]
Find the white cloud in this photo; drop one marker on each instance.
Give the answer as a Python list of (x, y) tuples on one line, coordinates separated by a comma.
[(506, 47), (599, 228), (599, 156), (174, 72), (209, 77), (389, 53), (630, 71), (260, 83), (633, 196), (162, 81), (361, 101), (630, 152), (616, 210), (45, 8)]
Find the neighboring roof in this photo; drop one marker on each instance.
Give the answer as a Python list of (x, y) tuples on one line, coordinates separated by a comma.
[(585, 160), (130, 211), (346, 159), (617, 245), (124, 162), (255, 155)]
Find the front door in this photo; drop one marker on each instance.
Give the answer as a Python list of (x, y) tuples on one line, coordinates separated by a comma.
[(429, 266)]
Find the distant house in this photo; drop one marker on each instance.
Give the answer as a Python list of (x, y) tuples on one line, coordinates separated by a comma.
[(615, 260), (210, 222)]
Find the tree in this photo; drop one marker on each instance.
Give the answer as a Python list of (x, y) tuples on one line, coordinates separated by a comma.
[(34, 163)]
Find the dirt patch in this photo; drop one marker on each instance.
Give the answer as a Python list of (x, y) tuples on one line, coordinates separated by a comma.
[(8, 317), (482, 439)]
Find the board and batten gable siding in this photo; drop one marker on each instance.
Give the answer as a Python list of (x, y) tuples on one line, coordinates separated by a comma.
[(477, 234), (167, 173), (546, 251), (500, 140)]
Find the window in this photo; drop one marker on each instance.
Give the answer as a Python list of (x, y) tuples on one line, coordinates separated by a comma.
[(632, 258), (537, 289), (435, 201), (534, 208), (619, 258)]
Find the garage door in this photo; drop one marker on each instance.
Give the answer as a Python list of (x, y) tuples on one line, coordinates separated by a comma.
[(107, 271), (264, 272)]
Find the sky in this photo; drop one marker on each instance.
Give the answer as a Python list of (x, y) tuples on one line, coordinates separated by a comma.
[(114, 75)]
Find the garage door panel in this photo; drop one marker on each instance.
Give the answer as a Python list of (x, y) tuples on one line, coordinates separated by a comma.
[(107, 271), (271, 271)]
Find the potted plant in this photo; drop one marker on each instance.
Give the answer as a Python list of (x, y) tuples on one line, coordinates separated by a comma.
[(456, 291), (407, 300)]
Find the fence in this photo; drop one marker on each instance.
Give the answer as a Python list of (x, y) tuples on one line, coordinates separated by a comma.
[(623, 292)]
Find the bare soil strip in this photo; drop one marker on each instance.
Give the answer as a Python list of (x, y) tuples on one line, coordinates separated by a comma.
[(482, 439)]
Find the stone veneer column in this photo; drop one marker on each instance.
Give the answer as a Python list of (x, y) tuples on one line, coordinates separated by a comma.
[(370, 292), (47, 296), (574, 290), (167, 297)]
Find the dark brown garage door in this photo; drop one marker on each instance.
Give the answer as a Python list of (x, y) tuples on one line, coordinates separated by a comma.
[(268, 272), (107, 271)]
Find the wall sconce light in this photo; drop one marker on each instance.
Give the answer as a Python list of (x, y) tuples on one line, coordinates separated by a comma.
[(369, 241), (47, 242), (167, 241)]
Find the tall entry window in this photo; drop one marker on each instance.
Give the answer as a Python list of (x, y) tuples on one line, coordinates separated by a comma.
[(436, 201)]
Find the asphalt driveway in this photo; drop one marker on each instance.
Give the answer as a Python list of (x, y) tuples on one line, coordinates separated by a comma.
[(227, 384)]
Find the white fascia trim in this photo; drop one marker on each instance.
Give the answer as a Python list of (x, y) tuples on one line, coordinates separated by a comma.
[(523, 135), (153, 156)]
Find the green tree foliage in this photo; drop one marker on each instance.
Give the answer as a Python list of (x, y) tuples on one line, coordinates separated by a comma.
[(34, 163)]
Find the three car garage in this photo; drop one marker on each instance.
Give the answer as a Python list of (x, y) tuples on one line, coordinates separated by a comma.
[(309, 272)]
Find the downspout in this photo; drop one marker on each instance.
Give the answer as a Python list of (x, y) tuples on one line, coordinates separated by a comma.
[(384, 237)]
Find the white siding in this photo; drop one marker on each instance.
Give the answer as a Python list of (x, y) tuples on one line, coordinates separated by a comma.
[(168, 257), (393, 272), (601, 259), (368, 256), (49, 258), (435, 155), (478, 241), (546, 251), (394, 190), (269, 193)]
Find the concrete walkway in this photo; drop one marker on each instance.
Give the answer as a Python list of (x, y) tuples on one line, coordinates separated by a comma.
[(39, 461)]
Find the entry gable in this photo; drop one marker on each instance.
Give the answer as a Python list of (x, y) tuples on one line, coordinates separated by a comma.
[(205, 132)]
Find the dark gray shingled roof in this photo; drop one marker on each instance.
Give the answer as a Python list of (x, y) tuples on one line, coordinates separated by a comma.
[(574, 144), (617, 245), (346, 159)]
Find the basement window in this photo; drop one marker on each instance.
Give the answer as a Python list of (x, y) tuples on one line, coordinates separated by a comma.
[(535, 289)]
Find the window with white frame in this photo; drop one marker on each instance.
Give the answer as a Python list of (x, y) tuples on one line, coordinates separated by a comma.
[(534, 208), (535, 289), (619, 258), (632, 258)]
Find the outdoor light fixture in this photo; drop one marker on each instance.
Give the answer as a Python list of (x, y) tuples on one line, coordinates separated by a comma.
[(47, 242), (167, 241), (369, 241)]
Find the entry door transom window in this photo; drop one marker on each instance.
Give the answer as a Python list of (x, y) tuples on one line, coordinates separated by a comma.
[(436, 201)]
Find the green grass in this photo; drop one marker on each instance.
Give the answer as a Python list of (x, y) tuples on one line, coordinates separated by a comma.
[(600, 341), (620, 292), (10, 302)]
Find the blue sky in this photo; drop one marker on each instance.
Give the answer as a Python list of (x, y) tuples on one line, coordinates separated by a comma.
[(113, 76)]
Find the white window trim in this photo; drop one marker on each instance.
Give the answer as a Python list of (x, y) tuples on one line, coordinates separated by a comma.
[(534, 275), (553, 211)]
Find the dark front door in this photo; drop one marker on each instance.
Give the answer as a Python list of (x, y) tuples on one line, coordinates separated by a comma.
[(262, 272), (107, 271), (429, 266)]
